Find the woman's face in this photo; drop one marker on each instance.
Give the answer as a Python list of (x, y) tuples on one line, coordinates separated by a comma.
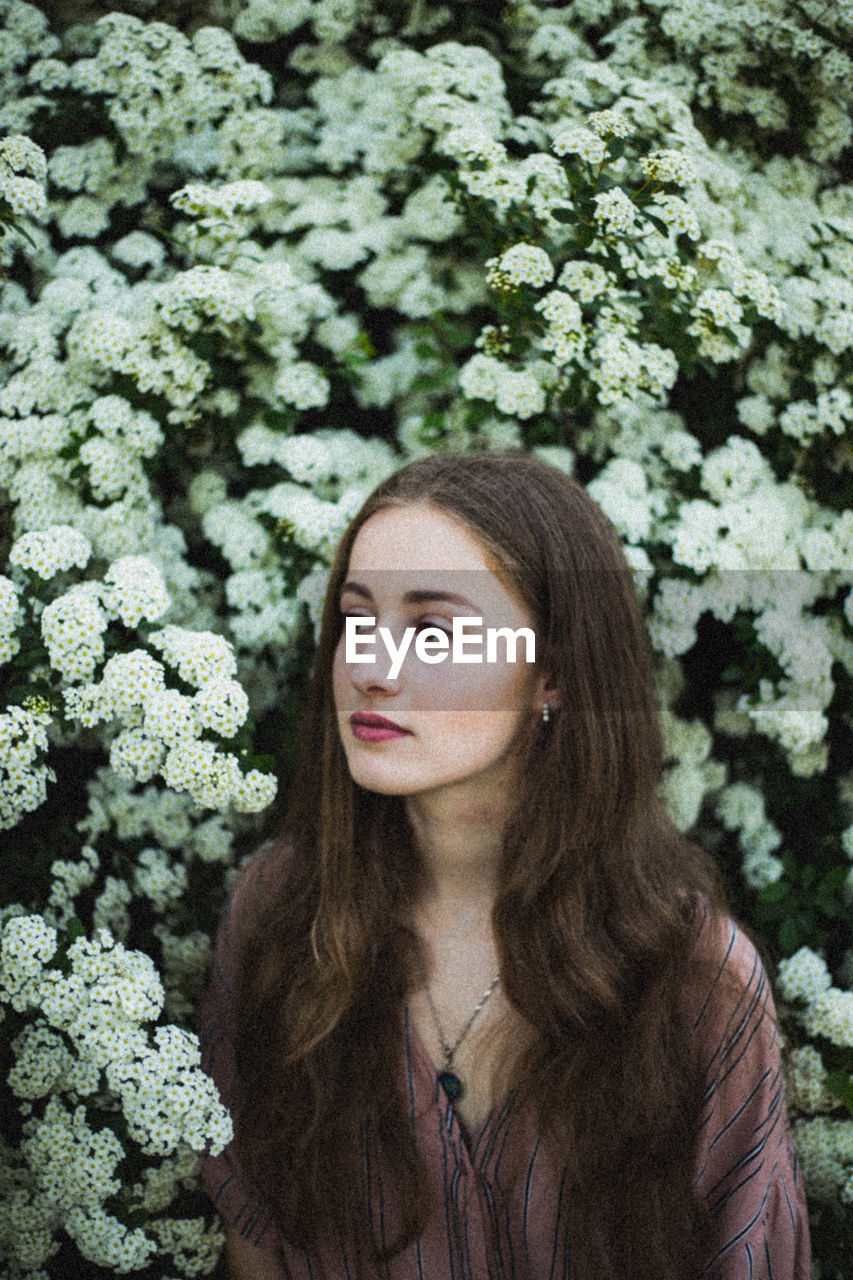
[(452, 722)]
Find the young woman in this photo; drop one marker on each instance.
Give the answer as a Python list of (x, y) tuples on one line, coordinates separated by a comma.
[(481, 1012)]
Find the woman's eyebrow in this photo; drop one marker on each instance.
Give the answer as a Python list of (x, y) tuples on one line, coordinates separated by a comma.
[(422, 596)]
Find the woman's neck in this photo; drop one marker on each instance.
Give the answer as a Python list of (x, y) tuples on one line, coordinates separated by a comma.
[(459, 842)]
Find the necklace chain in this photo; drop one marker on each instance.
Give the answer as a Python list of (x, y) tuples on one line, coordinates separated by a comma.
[(449, 1049)]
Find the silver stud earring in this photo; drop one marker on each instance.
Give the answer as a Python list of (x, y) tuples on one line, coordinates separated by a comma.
[(546, 712)]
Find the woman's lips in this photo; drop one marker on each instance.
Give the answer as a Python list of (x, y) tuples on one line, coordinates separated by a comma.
[(373, 728)]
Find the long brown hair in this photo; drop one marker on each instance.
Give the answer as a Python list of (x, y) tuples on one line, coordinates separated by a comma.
[(591, 922)]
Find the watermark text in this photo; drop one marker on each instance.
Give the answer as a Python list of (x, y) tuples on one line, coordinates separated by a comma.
[(433, 644)]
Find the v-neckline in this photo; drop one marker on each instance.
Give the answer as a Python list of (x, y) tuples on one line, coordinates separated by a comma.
[(470, 1143)]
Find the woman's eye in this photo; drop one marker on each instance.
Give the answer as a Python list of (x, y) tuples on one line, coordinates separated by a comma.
[(433, 626)]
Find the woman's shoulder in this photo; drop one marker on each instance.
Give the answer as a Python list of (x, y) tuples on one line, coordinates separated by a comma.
[(723, 944), (727, 992)]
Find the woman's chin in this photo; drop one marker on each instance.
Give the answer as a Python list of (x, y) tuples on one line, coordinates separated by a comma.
[(384, 781)]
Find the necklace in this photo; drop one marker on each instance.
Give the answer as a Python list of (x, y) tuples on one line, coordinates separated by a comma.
[(448, 1078)]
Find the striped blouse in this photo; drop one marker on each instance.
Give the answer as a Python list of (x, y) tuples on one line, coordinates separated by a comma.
[(503, 1200)]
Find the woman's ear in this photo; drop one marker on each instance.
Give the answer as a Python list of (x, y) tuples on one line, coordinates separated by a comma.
[(547, 692), (552, 697)]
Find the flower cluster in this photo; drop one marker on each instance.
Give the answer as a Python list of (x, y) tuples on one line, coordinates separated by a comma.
[(86, 1049), (596, 332), (23, 169), (24, 775), (161, 729)]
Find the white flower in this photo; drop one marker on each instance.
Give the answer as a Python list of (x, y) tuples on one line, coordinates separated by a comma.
[(831, 1016), (564, 336), (682, 791), (478, 377), (221, 705), (806, 1081), (28, 943), (621, 491), (797, 719), (616, 213), (104, 1240), (610, 124), (735, 470), (760, 869), (577, 141), (87, 703), (75, 1165), (669, 166), (129, 680), (717, 325), (11, 616), (823, 1147), (161, 881), (50, 551), (253, 791), (519, 393), (587, 280), (303, 385), (134, 589), (243, 195), (229, 526), (622, 367), (199, 656), (23, 775), (169, 717), (22, 155), (677, 608), (677, 214), (722, 307), (115, 419), (696, 535), (73, 627), (803, 976), (210, 776), (133, 755), (522, 264), (44, 1063), (113, 470), (138, 249)]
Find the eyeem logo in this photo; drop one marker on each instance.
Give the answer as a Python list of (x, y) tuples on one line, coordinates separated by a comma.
[(432, 644)]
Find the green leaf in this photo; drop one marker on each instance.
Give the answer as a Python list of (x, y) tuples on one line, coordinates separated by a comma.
[(841, 1084), (265, 763), (584, 237), (807, 877), (774, 892), (563, 214), (657, 223), (75, 929), (789, 935)]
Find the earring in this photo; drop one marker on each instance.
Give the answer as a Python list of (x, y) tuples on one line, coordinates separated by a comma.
[(546, 712)]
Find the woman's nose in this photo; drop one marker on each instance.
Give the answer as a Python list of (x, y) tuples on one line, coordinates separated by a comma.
[(382, 652), (375, 678)]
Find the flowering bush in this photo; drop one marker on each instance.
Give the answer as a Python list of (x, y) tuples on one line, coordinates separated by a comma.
[(254, 256)]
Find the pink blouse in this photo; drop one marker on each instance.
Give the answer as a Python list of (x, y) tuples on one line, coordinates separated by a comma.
[(503, 1199)]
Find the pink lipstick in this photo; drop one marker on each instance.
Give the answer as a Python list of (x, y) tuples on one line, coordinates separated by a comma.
[(368, 727)]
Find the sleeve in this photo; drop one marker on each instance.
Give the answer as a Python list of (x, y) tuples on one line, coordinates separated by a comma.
[(238, 1203), (746, 1173)]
